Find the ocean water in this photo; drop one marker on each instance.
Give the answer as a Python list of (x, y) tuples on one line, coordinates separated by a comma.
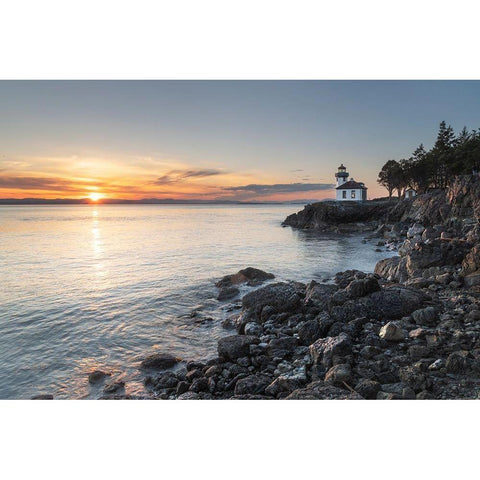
[(96, 286)]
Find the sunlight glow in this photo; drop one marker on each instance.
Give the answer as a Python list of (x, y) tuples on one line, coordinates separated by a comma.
[(95, 197)]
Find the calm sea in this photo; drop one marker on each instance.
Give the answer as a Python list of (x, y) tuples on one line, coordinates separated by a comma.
[(85, 287)]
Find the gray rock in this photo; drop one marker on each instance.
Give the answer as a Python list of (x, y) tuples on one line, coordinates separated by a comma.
[(253, 384), (281, 347), (281, 297), (324, 349), (425, 316), (392, 332), (339, 375), (253, 328), (236, 346)]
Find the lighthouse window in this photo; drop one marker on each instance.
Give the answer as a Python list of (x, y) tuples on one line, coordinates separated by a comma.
[(344, 194), (353, 193)]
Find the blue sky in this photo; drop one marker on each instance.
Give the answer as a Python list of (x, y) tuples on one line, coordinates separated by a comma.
[(206, 139)]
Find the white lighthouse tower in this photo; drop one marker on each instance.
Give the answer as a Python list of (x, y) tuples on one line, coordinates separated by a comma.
[(341, 175)]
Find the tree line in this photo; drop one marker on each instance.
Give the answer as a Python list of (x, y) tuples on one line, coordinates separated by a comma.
[(451, 155)]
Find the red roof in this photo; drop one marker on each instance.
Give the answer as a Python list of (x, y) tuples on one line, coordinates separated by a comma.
[(351, 185)]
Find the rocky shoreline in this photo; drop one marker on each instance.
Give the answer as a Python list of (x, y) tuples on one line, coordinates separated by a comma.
[(411, 330)]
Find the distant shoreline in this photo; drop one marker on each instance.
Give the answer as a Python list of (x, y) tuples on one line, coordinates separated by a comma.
[(146, 201)]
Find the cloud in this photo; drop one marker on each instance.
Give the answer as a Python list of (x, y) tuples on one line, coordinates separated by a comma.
[(35, 183), (280, 188), (297, 170), (179, 175)]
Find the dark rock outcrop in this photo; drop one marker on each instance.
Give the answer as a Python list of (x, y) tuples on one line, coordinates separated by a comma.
[(341, 216), (159, 361)]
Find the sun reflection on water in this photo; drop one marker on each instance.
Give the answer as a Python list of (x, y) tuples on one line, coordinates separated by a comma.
[(97, 244)]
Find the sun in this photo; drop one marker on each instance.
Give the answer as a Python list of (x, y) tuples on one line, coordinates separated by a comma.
[(95, 197)]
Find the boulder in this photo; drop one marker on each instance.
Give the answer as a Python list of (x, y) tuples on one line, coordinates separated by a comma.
[(236, 346), (97, 376), (159, 361), (280, 297), (281, 347), (227, 293), (317, 295), (253, 384), (362, 287), (324, 349), (251, 276), (310, 331), (391, 302)]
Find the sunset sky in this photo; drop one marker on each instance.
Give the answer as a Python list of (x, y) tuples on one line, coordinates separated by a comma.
[(225, 140)]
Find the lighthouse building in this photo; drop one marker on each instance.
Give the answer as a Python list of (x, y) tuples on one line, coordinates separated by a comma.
[(349, 190)]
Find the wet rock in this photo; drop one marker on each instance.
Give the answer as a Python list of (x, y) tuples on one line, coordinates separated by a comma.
[(227, 293), (392, 332), (114, 386), (251, 276), (159, 361), (43, 396), (236, 346), (97, 376)]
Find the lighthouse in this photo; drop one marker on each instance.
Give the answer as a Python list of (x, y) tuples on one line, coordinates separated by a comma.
[(341, 175), (349, 190)]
